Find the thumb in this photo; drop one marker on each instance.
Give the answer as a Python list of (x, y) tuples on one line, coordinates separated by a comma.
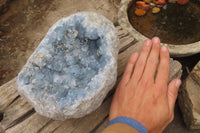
[(173, 92)]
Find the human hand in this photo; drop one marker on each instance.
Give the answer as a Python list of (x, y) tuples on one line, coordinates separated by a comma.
[(142, 96)]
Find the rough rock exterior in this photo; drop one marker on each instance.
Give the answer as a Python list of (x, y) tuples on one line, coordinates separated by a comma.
[(175, 69), (73, 68), (189, 99)]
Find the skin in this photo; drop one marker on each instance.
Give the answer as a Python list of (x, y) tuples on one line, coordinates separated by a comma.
[(142, 96)]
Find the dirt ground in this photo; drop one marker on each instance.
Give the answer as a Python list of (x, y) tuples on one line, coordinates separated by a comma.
[(23, 24)]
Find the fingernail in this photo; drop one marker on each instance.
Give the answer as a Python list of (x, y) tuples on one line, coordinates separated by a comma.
[(178, 83), (156, 40), (164, 48), (147, 42)]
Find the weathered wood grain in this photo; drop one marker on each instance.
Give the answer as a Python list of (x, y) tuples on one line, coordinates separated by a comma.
[(30, 125), (17, 111), (8, 93), (124, 41), (37, 123), (121, 33), (51, 126), (102, 126)]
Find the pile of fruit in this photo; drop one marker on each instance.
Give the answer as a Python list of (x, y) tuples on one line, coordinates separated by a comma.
[(155, 5)]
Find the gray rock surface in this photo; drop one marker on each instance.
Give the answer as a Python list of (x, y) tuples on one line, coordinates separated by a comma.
[(189, 99), (73, 68), (175, 69)]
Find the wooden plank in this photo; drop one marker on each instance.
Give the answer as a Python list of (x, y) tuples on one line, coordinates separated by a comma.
[(17, 111), (87, 123), (101, 127), (37, 123), (8, 93), (124, 41), (51, 126), (121, 33), (31, 125)]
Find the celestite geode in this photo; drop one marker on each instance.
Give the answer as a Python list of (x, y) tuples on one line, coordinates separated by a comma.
[(73, 68)]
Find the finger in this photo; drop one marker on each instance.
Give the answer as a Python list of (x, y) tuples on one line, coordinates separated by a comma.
[(163, 68), (129, 69), (152, 61), (141, 62), (173, 92)]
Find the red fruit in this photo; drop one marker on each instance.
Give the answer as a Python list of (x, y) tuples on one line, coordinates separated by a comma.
[(140, 3), (182, 2), (161, 2), (146, 7)]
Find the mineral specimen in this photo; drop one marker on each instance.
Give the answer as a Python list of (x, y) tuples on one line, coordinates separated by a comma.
[(73, 68), (140, 12), (155, 10)]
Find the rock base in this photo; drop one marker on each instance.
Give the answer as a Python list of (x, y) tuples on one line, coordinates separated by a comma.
[(175, 69), (189, 99)]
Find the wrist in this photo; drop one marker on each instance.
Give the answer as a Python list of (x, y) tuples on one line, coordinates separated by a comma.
[(130, 122)]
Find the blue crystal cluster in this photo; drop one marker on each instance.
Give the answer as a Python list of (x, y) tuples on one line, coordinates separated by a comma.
[(65, 68)]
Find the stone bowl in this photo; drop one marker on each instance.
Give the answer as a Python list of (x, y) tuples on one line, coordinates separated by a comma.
[(175, 50), (73, 68)]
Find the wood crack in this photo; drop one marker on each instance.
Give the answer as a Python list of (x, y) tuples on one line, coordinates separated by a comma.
[(22, 118), (57, 128), (13, 101), (99, 124), (50, 121)]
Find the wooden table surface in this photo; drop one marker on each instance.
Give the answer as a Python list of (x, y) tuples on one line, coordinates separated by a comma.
[(18, 116)]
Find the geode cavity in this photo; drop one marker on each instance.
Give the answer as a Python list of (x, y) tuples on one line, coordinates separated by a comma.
[(73, 68)]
